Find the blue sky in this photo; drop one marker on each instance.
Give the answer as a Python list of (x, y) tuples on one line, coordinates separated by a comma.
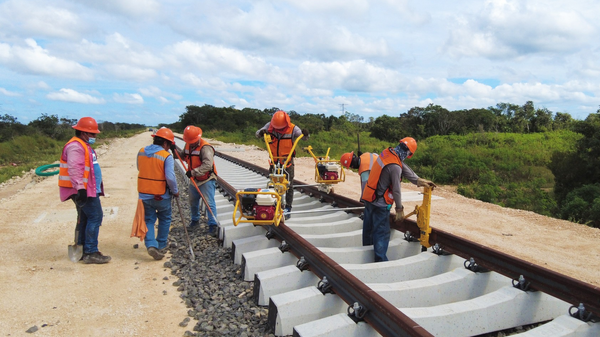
[(144, 61)]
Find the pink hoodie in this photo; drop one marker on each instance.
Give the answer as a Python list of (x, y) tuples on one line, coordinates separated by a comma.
[(75, 156)]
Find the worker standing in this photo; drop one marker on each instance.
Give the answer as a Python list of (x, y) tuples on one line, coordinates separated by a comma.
[(80, 179), (383, 189), (364, 163), (284, 135), (156, 184), (199, 155)]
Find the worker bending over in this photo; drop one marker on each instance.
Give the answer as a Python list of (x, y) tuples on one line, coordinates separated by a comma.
[(383, 189)]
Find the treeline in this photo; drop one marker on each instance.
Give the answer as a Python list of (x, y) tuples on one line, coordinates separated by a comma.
[(26, 146), (55, 127), (516, 156)]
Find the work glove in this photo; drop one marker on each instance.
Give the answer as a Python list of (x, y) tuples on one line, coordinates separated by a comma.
[(424, 182), (188, 174), (81, 197), (399, 214), (261, 133), (360, 153), (305, 133), (173, 147)]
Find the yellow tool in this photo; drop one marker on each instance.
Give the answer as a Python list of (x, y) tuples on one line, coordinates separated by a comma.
[(423, 213), (327, 172), (265, 206)]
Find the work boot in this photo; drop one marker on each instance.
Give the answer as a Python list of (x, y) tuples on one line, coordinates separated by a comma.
[(212, 231), (153, 251), (286, 212), (194, 224), (95, 258)]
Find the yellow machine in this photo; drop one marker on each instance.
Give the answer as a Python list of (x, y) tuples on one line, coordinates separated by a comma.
[(327, 172), (264, 206), (423, 213)]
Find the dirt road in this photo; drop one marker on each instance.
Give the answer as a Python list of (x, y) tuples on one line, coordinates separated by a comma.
[(130, 296)]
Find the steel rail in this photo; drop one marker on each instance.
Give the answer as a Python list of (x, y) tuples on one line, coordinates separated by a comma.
[(539, 278)]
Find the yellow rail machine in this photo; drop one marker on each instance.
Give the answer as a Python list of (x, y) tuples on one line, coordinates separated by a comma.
[(327, 171), (264, 206)]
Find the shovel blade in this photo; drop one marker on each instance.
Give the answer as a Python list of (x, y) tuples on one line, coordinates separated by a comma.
[(75, 253)]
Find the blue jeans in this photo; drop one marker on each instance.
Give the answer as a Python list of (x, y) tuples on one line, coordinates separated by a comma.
[(208, 191), (160, 209), (376, 229), (89, 216)]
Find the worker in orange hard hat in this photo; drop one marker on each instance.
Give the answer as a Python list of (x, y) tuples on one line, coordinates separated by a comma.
[(80, 179), (199, 155), (363, 162), (383, 190), (156, 184), (284, 135)]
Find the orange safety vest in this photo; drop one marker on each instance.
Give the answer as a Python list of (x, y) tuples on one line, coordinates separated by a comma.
[(194, 159), (151, 175), (64, 180), (366, 162), (387, 157), (281, 147)]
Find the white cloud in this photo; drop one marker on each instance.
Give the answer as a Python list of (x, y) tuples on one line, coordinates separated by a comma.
[(207, 83), (129, 72), (352, 76), (159, 94), (335, 6), (214, 59), (8, 93), (37, 18), (128, 98), (131, 8), (70, 95), (118, 49), (33, 59), (511, 28)]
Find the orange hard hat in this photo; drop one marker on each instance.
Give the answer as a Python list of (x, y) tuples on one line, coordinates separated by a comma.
[(87, 124), (192, 134), (346, 159), (280, 119), (165, 133), (411, 143)]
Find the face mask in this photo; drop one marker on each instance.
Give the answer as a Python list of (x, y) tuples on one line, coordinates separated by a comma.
[(91, 141)]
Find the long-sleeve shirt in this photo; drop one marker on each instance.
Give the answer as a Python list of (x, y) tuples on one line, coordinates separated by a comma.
[(390, 176), (208, 156), (295, 133), (150, 150), (75, 156)]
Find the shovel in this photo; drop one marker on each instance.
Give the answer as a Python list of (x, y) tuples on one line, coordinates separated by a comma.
[(185, 229), (75, 250)]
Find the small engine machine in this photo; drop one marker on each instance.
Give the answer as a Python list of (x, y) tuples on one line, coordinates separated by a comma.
[(260, 204), (329, 170)]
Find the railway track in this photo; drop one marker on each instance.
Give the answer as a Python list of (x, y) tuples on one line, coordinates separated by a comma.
[(318, 280)]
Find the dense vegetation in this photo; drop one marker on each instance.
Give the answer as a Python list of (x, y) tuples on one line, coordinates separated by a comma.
[(517, 156), (24, 147)]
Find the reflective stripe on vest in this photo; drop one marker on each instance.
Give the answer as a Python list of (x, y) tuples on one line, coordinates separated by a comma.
[(366, 162), (64, 180), (194, 159), (282, 146), (151, 176), (387, 157)]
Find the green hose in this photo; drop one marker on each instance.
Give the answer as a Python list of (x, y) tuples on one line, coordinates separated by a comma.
[(41, 171)]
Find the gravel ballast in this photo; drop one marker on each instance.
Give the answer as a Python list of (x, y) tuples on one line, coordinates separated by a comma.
[(220, 302)]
